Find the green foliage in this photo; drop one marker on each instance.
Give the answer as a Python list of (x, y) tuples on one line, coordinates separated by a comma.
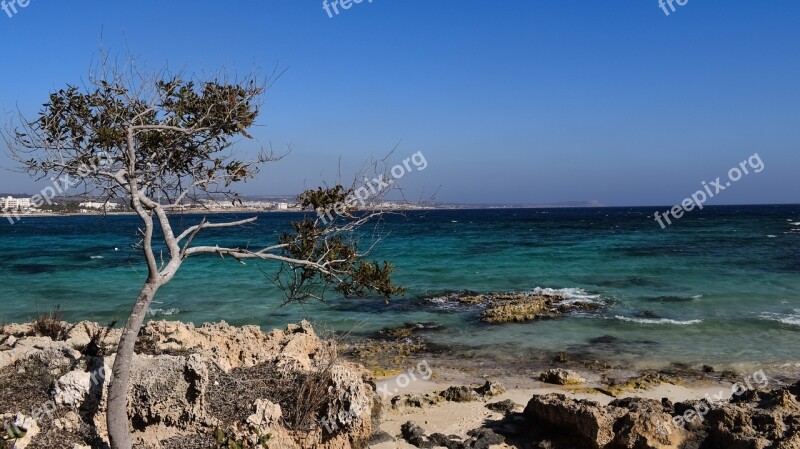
[(178, 127), (343, 266), (323, 198), (9, 435), (224, 441)]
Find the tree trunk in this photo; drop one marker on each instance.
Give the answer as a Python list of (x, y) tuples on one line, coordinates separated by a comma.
[(117, 415)]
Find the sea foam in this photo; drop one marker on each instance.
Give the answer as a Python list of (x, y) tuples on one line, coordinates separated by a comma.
[(657, 321)]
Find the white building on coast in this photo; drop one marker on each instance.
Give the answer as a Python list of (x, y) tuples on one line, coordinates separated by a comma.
[(11, 203)]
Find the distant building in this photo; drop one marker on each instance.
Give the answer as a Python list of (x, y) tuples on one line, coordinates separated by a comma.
[(283, 206), (98, 206), (12, 203)]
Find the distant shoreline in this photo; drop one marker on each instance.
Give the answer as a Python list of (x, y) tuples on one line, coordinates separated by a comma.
[(464, 207)]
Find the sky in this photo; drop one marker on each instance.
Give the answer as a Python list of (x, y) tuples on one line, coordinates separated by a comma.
[(514, 101)]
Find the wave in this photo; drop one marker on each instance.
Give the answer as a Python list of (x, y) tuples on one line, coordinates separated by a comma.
[(569, 295), (792, 319), (164, 312), (449, 300), (669, 298), (96, 257), (657, 321)]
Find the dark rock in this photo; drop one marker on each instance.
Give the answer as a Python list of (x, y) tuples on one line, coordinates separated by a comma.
[(442, 440), (483, 438), (379, 436), (605, 340), (415, 401), (490, 389), (414, 435), (504, 407), (460, 394)]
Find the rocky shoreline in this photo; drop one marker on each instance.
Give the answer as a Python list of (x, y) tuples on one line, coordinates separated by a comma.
[(218, 386)]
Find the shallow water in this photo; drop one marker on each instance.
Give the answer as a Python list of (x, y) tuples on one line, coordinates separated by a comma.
[(721, 285)]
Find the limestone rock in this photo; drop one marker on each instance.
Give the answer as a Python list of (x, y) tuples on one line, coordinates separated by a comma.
[(561, 376), (586, 420), (460, 394)]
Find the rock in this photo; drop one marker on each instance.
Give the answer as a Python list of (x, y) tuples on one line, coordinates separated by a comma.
[(480, 438), (72, 389), (9, 341), (442, 440), (415, 400), (414, 434), (490, 389), (586, 421), (350, 401), (483, 438), (266, 416), (516, 306), (408, 330), (757, 419), (379, 437), (504, 407), (645, 425), (80, 334), (49, 352), (460, 394), (519, 307), (168, 393), (561, 376), (231, 347)]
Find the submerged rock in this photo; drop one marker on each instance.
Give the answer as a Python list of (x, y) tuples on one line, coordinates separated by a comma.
[(521, 307), (517, 306)]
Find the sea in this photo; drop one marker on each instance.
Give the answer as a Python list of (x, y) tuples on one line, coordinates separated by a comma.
[(719, 286)]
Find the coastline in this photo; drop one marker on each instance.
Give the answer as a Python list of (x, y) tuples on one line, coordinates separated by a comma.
[(427, 401)]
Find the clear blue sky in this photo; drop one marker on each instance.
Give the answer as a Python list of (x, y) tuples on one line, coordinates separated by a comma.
[(510, 101)]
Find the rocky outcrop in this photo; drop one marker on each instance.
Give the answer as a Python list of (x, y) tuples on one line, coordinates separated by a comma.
[(517, 307), (755, 419), (180, 373), (758, 419)]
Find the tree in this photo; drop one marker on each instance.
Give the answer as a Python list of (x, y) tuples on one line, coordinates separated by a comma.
[(160, 141)]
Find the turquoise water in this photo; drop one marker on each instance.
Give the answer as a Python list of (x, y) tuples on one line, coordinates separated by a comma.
[(721, 285)]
